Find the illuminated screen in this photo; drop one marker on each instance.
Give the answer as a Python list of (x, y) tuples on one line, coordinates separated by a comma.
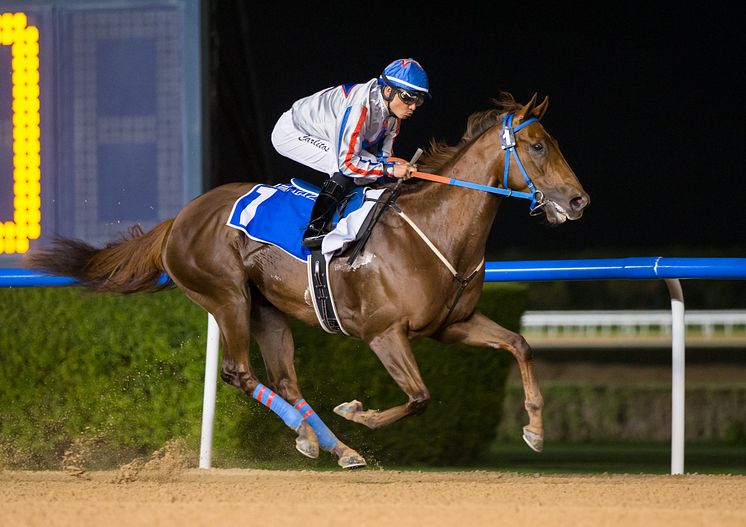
[(99, 118), (20, 158)]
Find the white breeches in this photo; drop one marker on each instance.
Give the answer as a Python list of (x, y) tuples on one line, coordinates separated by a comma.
[(305, 149)]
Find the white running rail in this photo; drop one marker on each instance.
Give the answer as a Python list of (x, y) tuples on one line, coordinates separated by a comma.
[(554, 323)]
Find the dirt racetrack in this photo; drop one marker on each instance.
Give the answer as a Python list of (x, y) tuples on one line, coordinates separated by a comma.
[(367, 497)]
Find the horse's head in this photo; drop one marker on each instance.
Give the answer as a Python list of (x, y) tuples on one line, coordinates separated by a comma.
[(535, 161)]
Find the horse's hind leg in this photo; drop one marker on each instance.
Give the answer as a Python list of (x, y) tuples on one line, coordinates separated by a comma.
[(479, 330), (231, 309), (393, 350), (272, 334)]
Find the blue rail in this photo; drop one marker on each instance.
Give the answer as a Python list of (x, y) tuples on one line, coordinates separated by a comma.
[(29, 278), (639, 268)]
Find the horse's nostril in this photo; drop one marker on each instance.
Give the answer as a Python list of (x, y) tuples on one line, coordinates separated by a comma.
[(578, 202)]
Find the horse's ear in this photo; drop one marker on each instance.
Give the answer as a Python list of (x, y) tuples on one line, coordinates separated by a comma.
[(539, 111), (526, 110)]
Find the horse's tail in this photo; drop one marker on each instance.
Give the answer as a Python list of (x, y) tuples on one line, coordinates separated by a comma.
[(130, 265)]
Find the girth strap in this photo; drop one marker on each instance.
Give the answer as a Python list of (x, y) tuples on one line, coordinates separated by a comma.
[(321, 293)]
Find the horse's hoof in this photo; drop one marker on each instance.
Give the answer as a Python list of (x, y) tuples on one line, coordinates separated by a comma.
[(307, 448), (533, 440), (347, 410), (352, 460), (307, 443)]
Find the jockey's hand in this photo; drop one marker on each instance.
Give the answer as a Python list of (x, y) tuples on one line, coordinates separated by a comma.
[(404, 170)]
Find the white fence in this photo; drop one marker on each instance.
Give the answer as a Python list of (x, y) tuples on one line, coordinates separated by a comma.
[(603, 323)]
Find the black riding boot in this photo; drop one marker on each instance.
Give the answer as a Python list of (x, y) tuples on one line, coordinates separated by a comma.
[(332, 192)]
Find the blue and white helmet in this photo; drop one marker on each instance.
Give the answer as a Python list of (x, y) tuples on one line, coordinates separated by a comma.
[(406, 74)]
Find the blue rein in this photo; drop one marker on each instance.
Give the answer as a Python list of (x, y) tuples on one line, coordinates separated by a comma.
[(508, 143)]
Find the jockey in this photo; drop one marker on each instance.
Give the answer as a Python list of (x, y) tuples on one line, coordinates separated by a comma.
[(348, 131)]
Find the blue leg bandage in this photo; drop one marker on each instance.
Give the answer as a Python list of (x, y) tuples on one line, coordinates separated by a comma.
[(278, 405), (327, 440)]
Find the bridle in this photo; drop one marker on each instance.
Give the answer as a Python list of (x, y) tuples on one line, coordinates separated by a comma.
[(508, 143)]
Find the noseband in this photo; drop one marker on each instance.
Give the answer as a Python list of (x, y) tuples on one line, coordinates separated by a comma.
[(508, 143)]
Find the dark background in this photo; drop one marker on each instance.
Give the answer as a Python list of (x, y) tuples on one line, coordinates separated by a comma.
[(646, 103)]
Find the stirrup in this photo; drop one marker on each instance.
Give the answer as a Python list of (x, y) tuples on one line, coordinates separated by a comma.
[(313, 241), (313, 236)]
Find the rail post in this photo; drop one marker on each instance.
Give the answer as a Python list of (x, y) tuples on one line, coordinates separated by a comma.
[(210, 392), (678, 369)]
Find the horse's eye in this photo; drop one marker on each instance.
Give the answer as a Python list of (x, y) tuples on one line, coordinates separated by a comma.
[(538, 147)]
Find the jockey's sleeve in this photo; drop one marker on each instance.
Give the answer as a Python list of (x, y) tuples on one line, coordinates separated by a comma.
[(352, 159)]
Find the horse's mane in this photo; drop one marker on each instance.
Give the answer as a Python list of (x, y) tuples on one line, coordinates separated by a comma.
[(440, 153)]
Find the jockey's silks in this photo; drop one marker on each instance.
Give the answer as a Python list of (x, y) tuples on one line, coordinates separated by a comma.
[(354, 119)]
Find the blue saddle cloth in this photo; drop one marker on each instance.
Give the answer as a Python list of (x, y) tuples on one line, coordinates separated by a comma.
[(279, 214)]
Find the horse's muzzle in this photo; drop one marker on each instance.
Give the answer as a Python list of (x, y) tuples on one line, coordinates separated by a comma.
[(578, 204), (559, 210)]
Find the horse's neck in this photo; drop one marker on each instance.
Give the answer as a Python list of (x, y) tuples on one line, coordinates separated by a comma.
[(458, 220)]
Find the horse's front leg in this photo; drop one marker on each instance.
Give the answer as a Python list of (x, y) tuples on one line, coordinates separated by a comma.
[(479, 330), (393, 349)]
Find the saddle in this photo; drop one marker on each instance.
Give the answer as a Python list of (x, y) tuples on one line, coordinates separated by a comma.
[(278, 215)]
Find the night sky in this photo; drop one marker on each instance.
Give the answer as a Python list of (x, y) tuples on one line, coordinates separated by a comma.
[(646, 105)]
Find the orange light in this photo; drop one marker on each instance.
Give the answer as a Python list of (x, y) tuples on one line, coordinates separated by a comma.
[(26, 224)]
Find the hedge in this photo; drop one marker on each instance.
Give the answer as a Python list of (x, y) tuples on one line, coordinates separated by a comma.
[(589, 412), (126, 374)]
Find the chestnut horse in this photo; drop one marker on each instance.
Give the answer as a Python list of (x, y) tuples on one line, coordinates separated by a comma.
[(403, 286)]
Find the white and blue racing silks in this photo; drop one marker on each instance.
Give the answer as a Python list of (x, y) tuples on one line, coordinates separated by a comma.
[(355, 119)]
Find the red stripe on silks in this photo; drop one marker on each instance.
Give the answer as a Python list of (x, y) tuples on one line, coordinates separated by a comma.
[(261, 392), (350, 147), (269, 399), (309, 412), (301, 405)]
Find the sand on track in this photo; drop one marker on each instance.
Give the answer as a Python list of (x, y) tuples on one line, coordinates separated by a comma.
[(367, 497)]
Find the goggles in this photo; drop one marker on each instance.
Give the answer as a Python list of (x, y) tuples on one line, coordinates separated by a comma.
[(411, 97)]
